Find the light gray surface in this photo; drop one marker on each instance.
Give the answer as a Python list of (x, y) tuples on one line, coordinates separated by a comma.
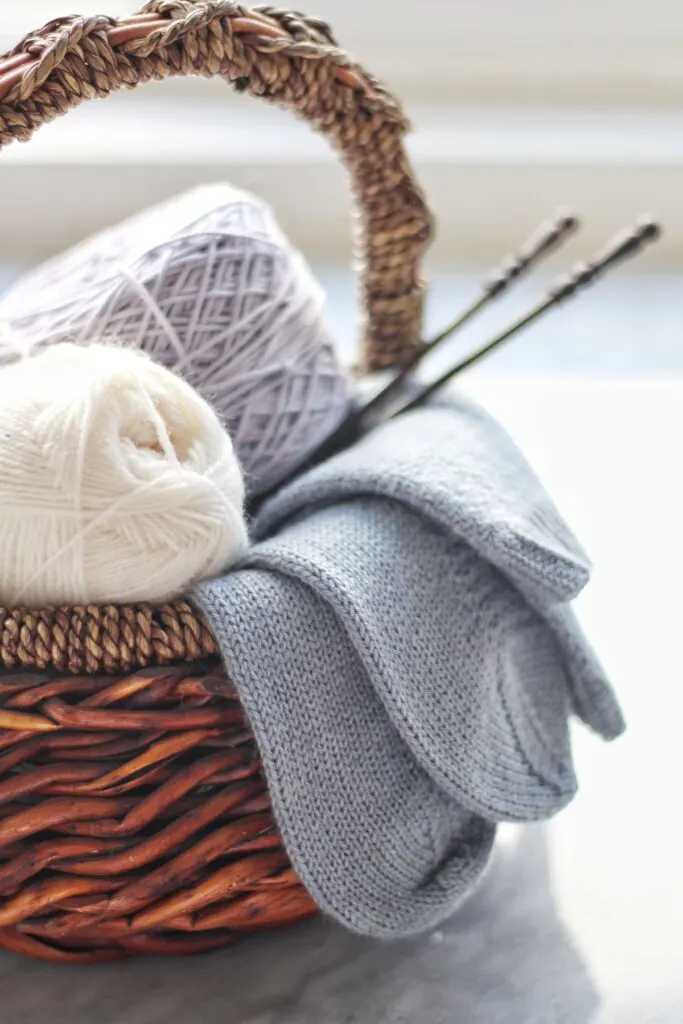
[(475, 970)]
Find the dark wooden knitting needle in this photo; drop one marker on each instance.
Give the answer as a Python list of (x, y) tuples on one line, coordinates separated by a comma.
[(546, 239), (628, 243)]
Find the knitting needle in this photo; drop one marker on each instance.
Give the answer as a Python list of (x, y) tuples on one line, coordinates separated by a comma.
[(629, 242), (546, 239)]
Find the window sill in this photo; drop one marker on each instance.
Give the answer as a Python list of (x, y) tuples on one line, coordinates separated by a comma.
[(490, 174)]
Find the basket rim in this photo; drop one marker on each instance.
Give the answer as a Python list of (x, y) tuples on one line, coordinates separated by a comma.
[(106, 639)]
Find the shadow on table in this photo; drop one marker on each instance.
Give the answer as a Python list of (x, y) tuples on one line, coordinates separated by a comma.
[(505, 958)]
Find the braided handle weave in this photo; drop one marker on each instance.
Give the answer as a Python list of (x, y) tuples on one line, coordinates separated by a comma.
[(286, 58)]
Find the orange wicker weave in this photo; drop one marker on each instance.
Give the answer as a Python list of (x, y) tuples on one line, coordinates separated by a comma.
[(133, 814)]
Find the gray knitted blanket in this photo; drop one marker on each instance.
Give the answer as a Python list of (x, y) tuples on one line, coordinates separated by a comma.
[(401, 637)]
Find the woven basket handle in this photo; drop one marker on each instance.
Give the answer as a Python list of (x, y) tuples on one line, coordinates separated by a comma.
[(283, 57)]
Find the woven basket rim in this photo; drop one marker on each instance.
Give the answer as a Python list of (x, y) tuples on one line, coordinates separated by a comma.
[(108, 638)]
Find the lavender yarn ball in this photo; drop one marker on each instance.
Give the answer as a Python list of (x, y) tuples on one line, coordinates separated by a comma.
[(209, 287)]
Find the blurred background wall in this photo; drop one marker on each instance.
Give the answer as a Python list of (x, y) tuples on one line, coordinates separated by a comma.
[(516, 108)]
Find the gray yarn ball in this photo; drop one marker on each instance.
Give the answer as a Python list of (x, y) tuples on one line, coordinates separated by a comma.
[(208, 285)]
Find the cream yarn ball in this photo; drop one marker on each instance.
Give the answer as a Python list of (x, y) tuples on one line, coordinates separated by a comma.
[(118, 483)]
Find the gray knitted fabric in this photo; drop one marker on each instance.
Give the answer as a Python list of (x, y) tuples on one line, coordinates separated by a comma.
[(401, 638)]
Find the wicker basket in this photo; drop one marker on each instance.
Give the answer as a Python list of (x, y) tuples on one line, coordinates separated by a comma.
[(133, 814)]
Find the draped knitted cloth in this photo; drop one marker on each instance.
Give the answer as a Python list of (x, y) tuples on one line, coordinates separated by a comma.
[(401, 636)]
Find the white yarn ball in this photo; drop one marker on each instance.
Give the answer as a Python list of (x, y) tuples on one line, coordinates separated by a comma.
[(208, 285), (118, 483)]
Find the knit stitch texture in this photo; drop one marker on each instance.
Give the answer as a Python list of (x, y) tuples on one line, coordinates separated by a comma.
[(402, 639)]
